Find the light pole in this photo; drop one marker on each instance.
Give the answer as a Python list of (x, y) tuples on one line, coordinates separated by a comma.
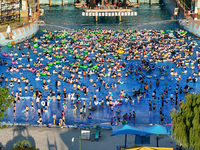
[(20, 7), (38, 5), (79, 139), (184, 9)]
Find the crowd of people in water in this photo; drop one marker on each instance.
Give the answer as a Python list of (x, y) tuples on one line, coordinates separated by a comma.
[(101, 61)]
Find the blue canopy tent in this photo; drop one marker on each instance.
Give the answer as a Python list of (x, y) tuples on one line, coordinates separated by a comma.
[(157, 129), (126, 129)]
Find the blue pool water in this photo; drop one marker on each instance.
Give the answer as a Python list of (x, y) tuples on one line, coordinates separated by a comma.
[(150, 17), (70, 18)]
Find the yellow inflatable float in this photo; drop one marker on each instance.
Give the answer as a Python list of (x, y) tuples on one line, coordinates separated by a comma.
[(120, 51)]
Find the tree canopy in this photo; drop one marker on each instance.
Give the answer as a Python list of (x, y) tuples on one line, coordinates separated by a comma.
[(23, 145), (186, 122), (5, 101)]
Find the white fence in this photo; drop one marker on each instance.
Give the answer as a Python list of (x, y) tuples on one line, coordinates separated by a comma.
[(109, 14)]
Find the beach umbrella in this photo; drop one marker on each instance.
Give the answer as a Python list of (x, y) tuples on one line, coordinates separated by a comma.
[(30, 12), (8, 29), (195, 10), (157, 129), (126, 129), (195, 13)]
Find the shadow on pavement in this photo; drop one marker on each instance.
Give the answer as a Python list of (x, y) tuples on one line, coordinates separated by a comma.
[(19, 133), (67, 136), (52, 146), (1, 146)]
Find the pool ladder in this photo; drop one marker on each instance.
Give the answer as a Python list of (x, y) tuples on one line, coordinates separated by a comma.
[(183, 22)]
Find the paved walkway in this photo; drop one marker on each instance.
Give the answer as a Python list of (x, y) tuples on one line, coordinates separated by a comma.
[(60, 139)]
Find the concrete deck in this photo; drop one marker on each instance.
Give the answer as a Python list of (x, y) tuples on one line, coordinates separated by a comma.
[(60, 139), (23, 33)]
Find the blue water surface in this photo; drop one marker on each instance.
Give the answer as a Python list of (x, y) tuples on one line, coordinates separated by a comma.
[(57, 18)]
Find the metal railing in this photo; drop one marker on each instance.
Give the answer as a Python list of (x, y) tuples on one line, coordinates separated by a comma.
[(41, 23)]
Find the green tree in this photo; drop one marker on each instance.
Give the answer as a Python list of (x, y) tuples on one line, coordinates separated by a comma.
[(5, 101), (23, 145), (186, 122)]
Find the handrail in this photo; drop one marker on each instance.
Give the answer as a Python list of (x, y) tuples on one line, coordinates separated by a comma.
[(184, 4)]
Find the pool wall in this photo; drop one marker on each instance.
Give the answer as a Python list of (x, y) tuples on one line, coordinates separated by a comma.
[(193, 26), (20, 34)]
